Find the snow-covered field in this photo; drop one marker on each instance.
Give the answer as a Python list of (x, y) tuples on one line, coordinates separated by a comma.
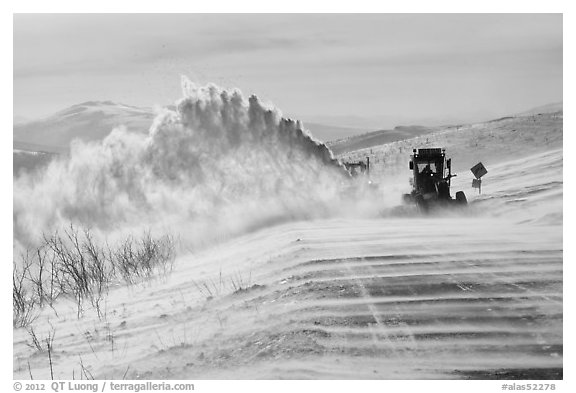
[(384, 298), (472, 294)]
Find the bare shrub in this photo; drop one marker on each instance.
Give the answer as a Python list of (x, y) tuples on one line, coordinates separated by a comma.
[(43, 276), (234, 283), (23, 301), (210, 288), (239, 283), (140, 260), (100, 271), (35, 341), (73, 264)]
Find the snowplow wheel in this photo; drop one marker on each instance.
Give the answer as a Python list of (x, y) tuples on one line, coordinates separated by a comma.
[(407, 198), (461, 198), (421, 203), (443, 191)]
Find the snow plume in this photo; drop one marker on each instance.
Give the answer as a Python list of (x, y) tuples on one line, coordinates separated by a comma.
[(217, 165)]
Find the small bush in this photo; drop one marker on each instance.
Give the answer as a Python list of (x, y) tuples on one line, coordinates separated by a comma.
[(138, 260), (23, 300), (73, 264)]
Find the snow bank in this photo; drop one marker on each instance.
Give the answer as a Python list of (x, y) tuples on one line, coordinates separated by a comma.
[(217, 164)]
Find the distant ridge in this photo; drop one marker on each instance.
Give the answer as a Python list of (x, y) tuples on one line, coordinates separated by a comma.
[(37, 148), (88, 121), (548, 108), (93, 120), (380, 137), (399, 133)]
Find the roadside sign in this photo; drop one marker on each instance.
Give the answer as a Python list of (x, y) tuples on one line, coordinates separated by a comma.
[(478, 170)]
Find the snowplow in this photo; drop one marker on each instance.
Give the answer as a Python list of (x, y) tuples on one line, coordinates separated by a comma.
[(357, 168), (359, 171), (431, 175)]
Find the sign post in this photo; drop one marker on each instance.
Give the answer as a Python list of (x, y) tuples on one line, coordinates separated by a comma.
[(478, 171)]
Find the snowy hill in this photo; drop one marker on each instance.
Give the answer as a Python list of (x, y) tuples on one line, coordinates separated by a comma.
[(88, 121), (376, 138), (328, 133), (491, 142), (549, 108), (36, 143), (94, 120)]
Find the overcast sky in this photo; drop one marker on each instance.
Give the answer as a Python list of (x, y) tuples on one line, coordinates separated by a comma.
[(366, 70)]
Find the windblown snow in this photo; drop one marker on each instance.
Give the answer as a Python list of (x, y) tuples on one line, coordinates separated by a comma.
[(305, 289), (218, 163)]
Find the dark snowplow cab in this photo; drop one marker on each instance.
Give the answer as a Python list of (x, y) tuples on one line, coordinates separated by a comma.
[(431, 175)]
